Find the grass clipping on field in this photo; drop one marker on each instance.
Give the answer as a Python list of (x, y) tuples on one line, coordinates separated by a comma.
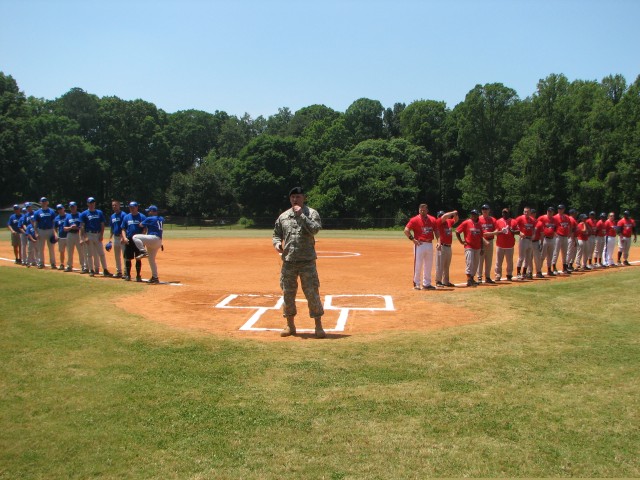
[(548, 388)]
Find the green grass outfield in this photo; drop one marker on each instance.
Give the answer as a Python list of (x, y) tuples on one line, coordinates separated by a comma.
[(548, 386)]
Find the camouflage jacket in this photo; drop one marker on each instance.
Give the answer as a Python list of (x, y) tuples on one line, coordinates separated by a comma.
[(297, 234)]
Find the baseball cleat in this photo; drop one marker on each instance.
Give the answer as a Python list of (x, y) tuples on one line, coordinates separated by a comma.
[(83, 271), (488, 280), (154, 280), (288, 331), (439, 284), (107, 273), (320, 332), (449, 285), (118, 275), (429, 287), (138, 278), (539, 275), (416, 286), (127, 278), (92, 273), (626, 262), (68, 269), (143, 254)]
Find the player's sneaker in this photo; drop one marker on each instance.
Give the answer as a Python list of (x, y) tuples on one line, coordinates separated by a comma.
[(626, 262), (154, 280), (416, 286), (138, 278), (107, 273), (471, 283), (449, 285), (92, 273), (489, 281), (142, 254), (68, 269), (529, 276), (509, 277), (61, 267), (429, 287), (439, 284), (539, 275), (83, 271), (118, 275), (320, 333)]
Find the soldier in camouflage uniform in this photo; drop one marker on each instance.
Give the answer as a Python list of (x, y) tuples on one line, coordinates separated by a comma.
[(294, 238)]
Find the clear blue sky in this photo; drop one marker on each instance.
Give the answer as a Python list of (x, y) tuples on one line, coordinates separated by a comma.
[(256, 56)]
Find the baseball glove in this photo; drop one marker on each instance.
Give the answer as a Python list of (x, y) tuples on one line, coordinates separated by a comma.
[(53, 239), (108, 246)]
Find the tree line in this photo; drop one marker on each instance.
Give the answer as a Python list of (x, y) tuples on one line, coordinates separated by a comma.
[(574, 142)]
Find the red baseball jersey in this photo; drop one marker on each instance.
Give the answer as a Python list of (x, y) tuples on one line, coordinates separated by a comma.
[(445, 230), (600, 228), (422, 227), (626, 227), (548, 224), (526, 224), (591, 225), (610, 228), (582, 231), (563, 224), (506, 240), (472, 232), (488, 224)]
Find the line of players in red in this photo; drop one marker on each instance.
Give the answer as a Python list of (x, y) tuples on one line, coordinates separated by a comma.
[(586, 240)]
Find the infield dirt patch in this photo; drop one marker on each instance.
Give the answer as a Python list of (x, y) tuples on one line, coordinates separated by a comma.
[(360, 275)]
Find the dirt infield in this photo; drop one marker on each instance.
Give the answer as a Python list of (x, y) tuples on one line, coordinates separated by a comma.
[(231, 287)]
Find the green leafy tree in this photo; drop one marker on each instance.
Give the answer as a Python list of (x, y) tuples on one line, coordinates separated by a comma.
[(363, 119), (489, 127), (205, 190), (308, 115), (15, 161), (375, 179)]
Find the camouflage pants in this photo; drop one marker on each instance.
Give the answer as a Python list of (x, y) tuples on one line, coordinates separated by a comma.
[(310, 286)]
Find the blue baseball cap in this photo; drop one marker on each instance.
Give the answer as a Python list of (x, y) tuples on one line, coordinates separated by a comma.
[(24, 210), (73, 204), (27, 204), (133, 204), (16, 207), (152, 208), (91, 200), (43, 199), (59, 206)]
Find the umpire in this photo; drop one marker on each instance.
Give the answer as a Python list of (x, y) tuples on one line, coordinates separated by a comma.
[(294, 238)]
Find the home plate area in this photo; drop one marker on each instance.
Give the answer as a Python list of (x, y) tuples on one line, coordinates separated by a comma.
[(265, 311)]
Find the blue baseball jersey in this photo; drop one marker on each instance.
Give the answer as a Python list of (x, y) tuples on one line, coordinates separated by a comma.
[(25, 220), (59, 223), (93, 221), (116, 222), (73, 219), (131, 224), (43, 218), (31, 231), (13, 222), (154, 225)]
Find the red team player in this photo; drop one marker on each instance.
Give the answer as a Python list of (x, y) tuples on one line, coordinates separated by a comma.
[(472, 243), (536, 245), (611, 231), (526, 225), (563, 231), (583, 233), (444, 226), (599, 244), (421, 230), (592, 223), (548, 224), (488, 225), (506, 227), (627, 228)]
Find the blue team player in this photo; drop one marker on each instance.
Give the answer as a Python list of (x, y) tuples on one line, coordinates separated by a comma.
[(43, 223), (15, 230), (150, 241), (58, 224), (32, 246), (131, 225), (72, 225), (115, 239), (22, 225), (93, 224)]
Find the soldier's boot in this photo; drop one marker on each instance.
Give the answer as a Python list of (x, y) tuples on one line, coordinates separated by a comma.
[(319, 330), (290, 329)]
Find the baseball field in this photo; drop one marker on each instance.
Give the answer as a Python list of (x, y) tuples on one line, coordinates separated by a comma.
[(190, 379)]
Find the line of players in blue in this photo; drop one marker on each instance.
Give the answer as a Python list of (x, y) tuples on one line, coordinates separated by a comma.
[(133, 236)]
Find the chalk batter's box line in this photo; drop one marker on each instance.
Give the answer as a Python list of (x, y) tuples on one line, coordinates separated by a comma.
[(328, 300)]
